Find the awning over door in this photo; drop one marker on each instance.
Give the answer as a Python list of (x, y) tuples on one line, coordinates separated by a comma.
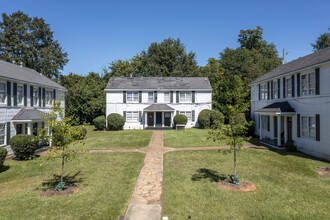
[(159, 108), (28, 115), (278, 108)]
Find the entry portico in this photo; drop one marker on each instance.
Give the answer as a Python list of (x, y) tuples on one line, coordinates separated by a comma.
[(158, 115)]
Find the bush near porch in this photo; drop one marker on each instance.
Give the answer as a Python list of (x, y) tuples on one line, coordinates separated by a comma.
[(288, 187)]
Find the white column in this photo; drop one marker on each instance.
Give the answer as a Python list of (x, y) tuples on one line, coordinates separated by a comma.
[(154, 119), (260, 127), (279, 130), (272, 121), (145, 119), (285, 129), (29, 128), (162, 119)]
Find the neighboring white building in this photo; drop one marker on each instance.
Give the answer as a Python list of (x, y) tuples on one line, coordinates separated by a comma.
[(292, 102), (149, 102), (24, 94)]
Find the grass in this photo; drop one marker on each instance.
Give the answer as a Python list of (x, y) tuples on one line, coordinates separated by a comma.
[(106, 183), (128, 139), (288, 186), (191, 137)]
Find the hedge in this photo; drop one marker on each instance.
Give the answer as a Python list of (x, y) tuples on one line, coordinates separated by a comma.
[(99, 122), (24, 145), (3, 155), (115, 122), (204, 118), (180, 119)]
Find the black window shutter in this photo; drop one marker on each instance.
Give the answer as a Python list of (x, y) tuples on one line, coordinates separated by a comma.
[(171, 97), (15, 93), (31, 95), (317, 81), (193, 115), (54, 94), (124, 96), (177, 112), (193, 96), (259, 121), (284, 87), (298, 125), (8, 132), (140, 96), (124, 115), (272, 90), (140, 116), (177, 96), (298, 84), (279, 88), (43, 97), (39, 96), (317, 117), (259, 92), (25, 95), (155, 96), (9, 93), (268, 123), (268, 91), (292, 85)]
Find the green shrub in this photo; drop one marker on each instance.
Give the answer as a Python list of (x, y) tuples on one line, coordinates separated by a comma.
[(24, 145), (180, 119), (3, 155), (216, 115), (204, 118), (289, 146), (81, 134), (99, 122), (115, 122)]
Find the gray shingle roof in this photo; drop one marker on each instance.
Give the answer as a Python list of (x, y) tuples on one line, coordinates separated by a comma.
[(29, 114), (15, 72), (131, 83), (298, 64), (158, 107), (279, 107)]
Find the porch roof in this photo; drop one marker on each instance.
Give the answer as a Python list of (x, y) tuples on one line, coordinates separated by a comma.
[(158, 108), (277, 107), (29, 115)]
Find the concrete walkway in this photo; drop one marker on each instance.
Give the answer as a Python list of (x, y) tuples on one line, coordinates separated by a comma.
[(147, 196)]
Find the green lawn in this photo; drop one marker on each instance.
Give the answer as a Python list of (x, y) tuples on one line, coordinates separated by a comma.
[(126, 139), (191, 137), (288, 186), (106, 183)]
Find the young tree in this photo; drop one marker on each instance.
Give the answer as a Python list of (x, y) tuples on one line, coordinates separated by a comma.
[(60, 134), (233, 133), (29, 40), (323, 41)]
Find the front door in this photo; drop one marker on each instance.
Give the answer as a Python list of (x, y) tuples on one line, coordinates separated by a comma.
[(158, 119), (289, 128), (167, 119), (150, 119)]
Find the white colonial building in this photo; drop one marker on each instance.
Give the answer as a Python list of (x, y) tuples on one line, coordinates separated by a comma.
[(152, 102), (24, 95), (292, 102)]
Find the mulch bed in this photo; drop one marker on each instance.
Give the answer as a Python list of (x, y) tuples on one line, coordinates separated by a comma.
[(323, 171), (243, 187), (68, 190)]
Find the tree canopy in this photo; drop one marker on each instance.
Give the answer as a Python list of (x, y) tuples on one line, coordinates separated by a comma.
[(323, 41), (30, 40)]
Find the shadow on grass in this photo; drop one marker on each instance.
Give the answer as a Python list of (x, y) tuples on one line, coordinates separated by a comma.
[(70, 180), (4, 168), (211, 175)]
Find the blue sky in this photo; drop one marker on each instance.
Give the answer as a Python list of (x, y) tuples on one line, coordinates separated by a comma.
[(94, 33)]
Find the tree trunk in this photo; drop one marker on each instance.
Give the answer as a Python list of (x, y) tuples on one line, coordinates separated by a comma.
[(234, 160), (62, 168)]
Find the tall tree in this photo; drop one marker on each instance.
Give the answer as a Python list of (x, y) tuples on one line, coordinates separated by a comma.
[(30, 40), (323, 41)]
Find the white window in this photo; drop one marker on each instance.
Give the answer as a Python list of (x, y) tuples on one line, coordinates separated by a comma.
[(20, 94), (49, 97), (308, 127), (185, 97), (186, 113), (150, 96), (132, 97), (275, 90), (2, 133), (132, 116), (264, 91), (2, 93), (166, 97), (35, 96), (264, 122), (288, 88), (308, 84)]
